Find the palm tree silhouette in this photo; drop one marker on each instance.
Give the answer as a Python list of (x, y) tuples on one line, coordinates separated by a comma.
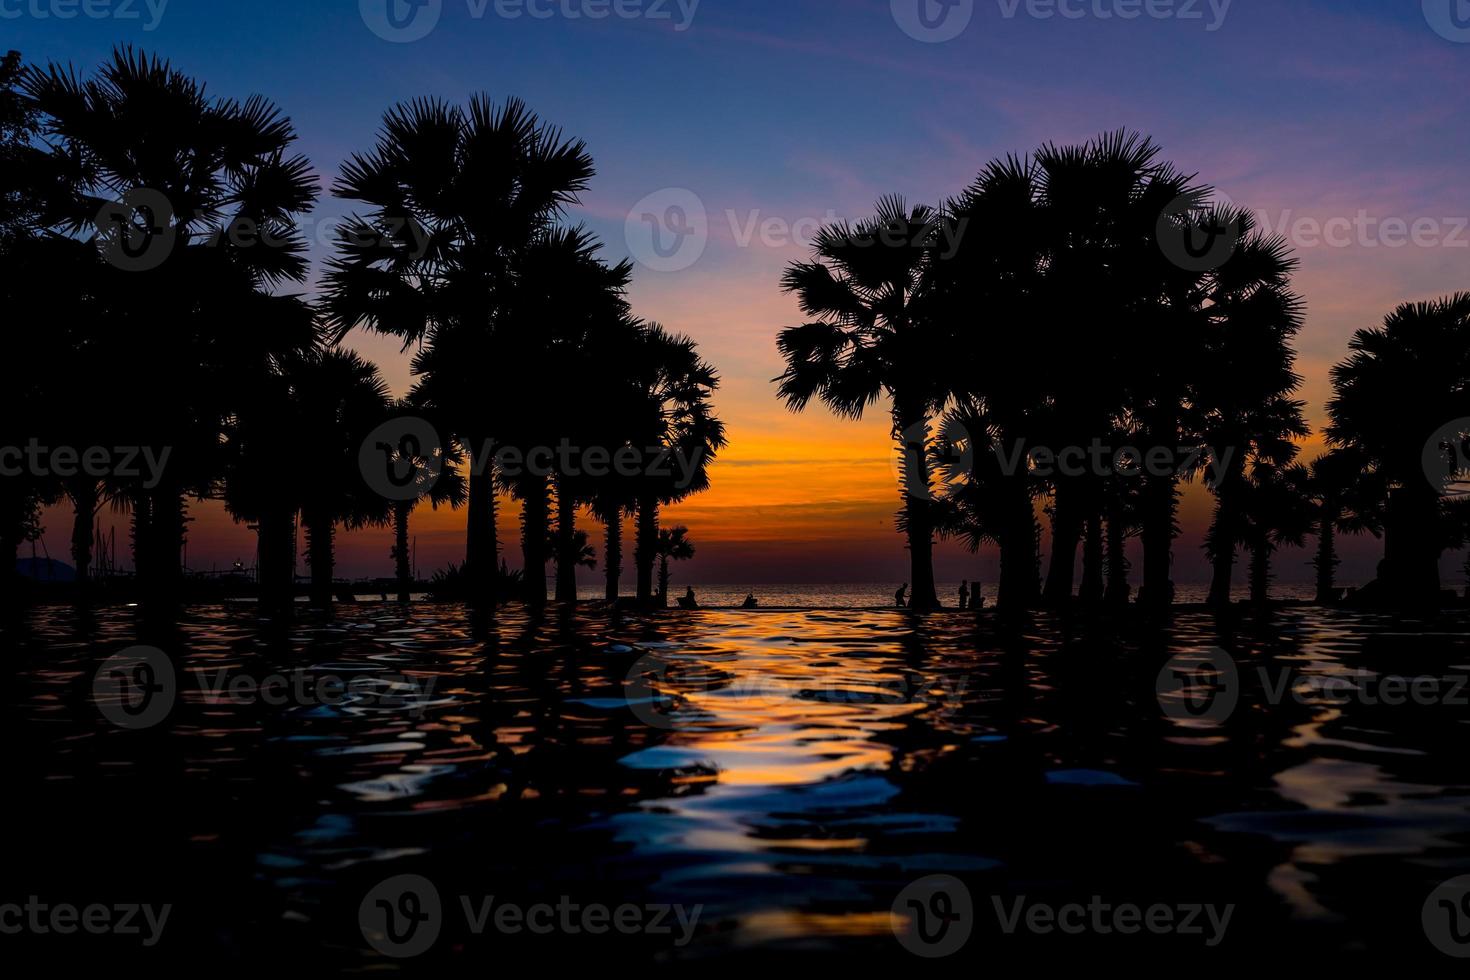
[(867, 339), (1276, 511), (673, 545), (450, 489), (455, 196), (1399, 386), (673, 422), (1244, 383), (205, 233), (1347, 498)]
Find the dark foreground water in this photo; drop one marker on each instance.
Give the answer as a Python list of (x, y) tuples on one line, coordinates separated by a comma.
[(821, 788)]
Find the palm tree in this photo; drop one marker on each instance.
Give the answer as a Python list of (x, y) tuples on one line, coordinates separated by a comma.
[(672, 388), (867, 338), (1277, 511), (1398, 387), (673, 545), (339, 398), (212, 236), (1347, 499), (566, 322), (1244, 383), (998, 266), (455, 196), (449, 489)]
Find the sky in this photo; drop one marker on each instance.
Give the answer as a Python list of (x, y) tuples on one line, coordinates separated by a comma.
[(1341, 123)]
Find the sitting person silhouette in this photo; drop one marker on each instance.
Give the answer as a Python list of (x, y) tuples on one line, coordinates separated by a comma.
[(901, 596), (687, 600), (750, 602)]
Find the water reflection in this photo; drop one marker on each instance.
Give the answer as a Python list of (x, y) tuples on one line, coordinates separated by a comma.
[(789, 773)]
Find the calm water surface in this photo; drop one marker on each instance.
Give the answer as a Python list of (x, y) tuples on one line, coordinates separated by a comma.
[(788, 773)]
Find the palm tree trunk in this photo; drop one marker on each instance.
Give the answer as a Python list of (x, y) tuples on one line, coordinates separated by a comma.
[(1411, 545), (320, 530), (481, 547), (1091, 591), (613, 562), (1117, 560), (1222, 534), (1066, 530), (663, 581), (1159, 502), (566, 546), (1019, 571), (402, 570), (917, 507), (646, 548), (162, 545), (1326, 560), (83, 493), (1260, 572), (535, 518), (276, 572)]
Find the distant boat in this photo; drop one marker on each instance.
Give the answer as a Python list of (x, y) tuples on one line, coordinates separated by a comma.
[(45, 570)]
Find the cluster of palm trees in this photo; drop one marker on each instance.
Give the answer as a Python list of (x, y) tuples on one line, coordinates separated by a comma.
[(1097, 296), (152, 237)]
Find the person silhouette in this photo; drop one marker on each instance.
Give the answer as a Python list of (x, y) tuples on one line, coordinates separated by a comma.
[(901, 595), (688, 601), (750, 602), (964, 595)]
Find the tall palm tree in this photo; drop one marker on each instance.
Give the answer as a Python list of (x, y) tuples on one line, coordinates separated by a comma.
[(1347, 498), (673, 545), (455, 196), (867, 339), (998, 266), (214, 237), (1244, 383), (1398, 387), (450, 489), (339, 399), (673, 388), (1277, 511)]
